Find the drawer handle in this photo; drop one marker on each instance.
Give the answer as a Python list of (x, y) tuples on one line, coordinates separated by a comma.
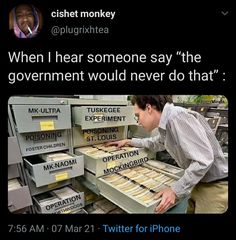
[(60, 170)]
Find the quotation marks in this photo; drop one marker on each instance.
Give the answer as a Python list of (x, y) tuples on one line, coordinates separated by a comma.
[(189, 57)]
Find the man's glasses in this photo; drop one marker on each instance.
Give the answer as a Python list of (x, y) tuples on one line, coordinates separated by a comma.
[(136, 118)]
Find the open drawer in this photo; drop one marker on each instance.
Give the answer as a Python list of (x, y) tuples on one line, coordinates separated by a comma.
[(46, 172), (62, 200)]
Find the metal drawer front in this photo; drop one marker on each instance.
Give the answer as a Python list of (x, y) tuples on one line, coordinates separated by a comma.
[(13, 171), (90, 117), (70, 203), (14, 154), (113, 163), (45, 173), (19, 198), (43, 142), (34, 118)]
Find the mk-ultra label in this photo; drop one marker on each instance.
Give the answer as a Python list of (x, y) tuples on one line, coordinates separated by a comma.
[(48, 110)]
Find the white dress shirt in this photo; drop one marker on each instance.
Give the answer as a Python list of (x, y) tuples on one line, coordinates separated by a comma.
[(188, 138)]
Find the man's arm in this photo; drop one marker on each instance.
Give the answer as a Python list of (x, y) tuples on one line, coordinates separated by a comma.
[(151, 143)]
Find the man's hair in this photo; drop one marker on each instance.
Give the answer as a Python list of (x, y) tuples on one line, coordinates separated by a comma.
[(157, 101)]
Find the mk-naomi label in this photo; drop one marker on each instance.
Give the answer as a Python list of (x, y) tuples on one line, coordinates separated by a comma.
[(59, 164)]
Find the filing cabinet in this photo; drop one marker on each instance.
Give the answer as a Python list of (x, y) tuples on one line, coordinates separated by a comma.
[(94, 125), (42, 128), (47, 127)]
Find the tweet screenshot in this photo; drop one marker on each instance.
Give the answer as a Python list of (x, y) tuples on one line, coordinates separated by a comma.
[(117, 120)]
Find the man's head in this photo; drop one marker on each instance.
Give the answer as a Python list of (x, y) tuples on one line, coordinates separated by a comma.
[(148, 109), (25, 17)]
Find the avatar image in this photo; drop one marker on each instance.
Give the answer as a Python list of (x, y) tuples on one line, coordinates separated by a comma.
[(25, 21)]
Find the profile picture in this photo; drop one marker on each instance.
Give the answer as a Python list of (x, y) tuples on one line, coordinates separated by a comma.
[(25, 21)]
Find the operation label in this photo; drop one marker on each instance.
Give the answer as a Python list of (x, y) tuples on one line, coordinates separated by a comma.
[(121, 156), (112, 169)]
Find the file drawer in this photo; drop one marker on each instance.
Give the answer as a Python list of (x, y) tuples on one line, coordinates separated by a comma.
[(134, 189), (13, 171), (97, 135), (89, 117), (110, 162), (35, 118), (38, 190), (19, 198), (47, 172), (50, 202), (43, 142), (14, 154)]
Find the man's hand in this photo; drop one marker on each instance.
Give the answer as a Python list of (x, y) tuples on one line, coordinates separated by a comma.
[(119, 144), (168, 199)]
